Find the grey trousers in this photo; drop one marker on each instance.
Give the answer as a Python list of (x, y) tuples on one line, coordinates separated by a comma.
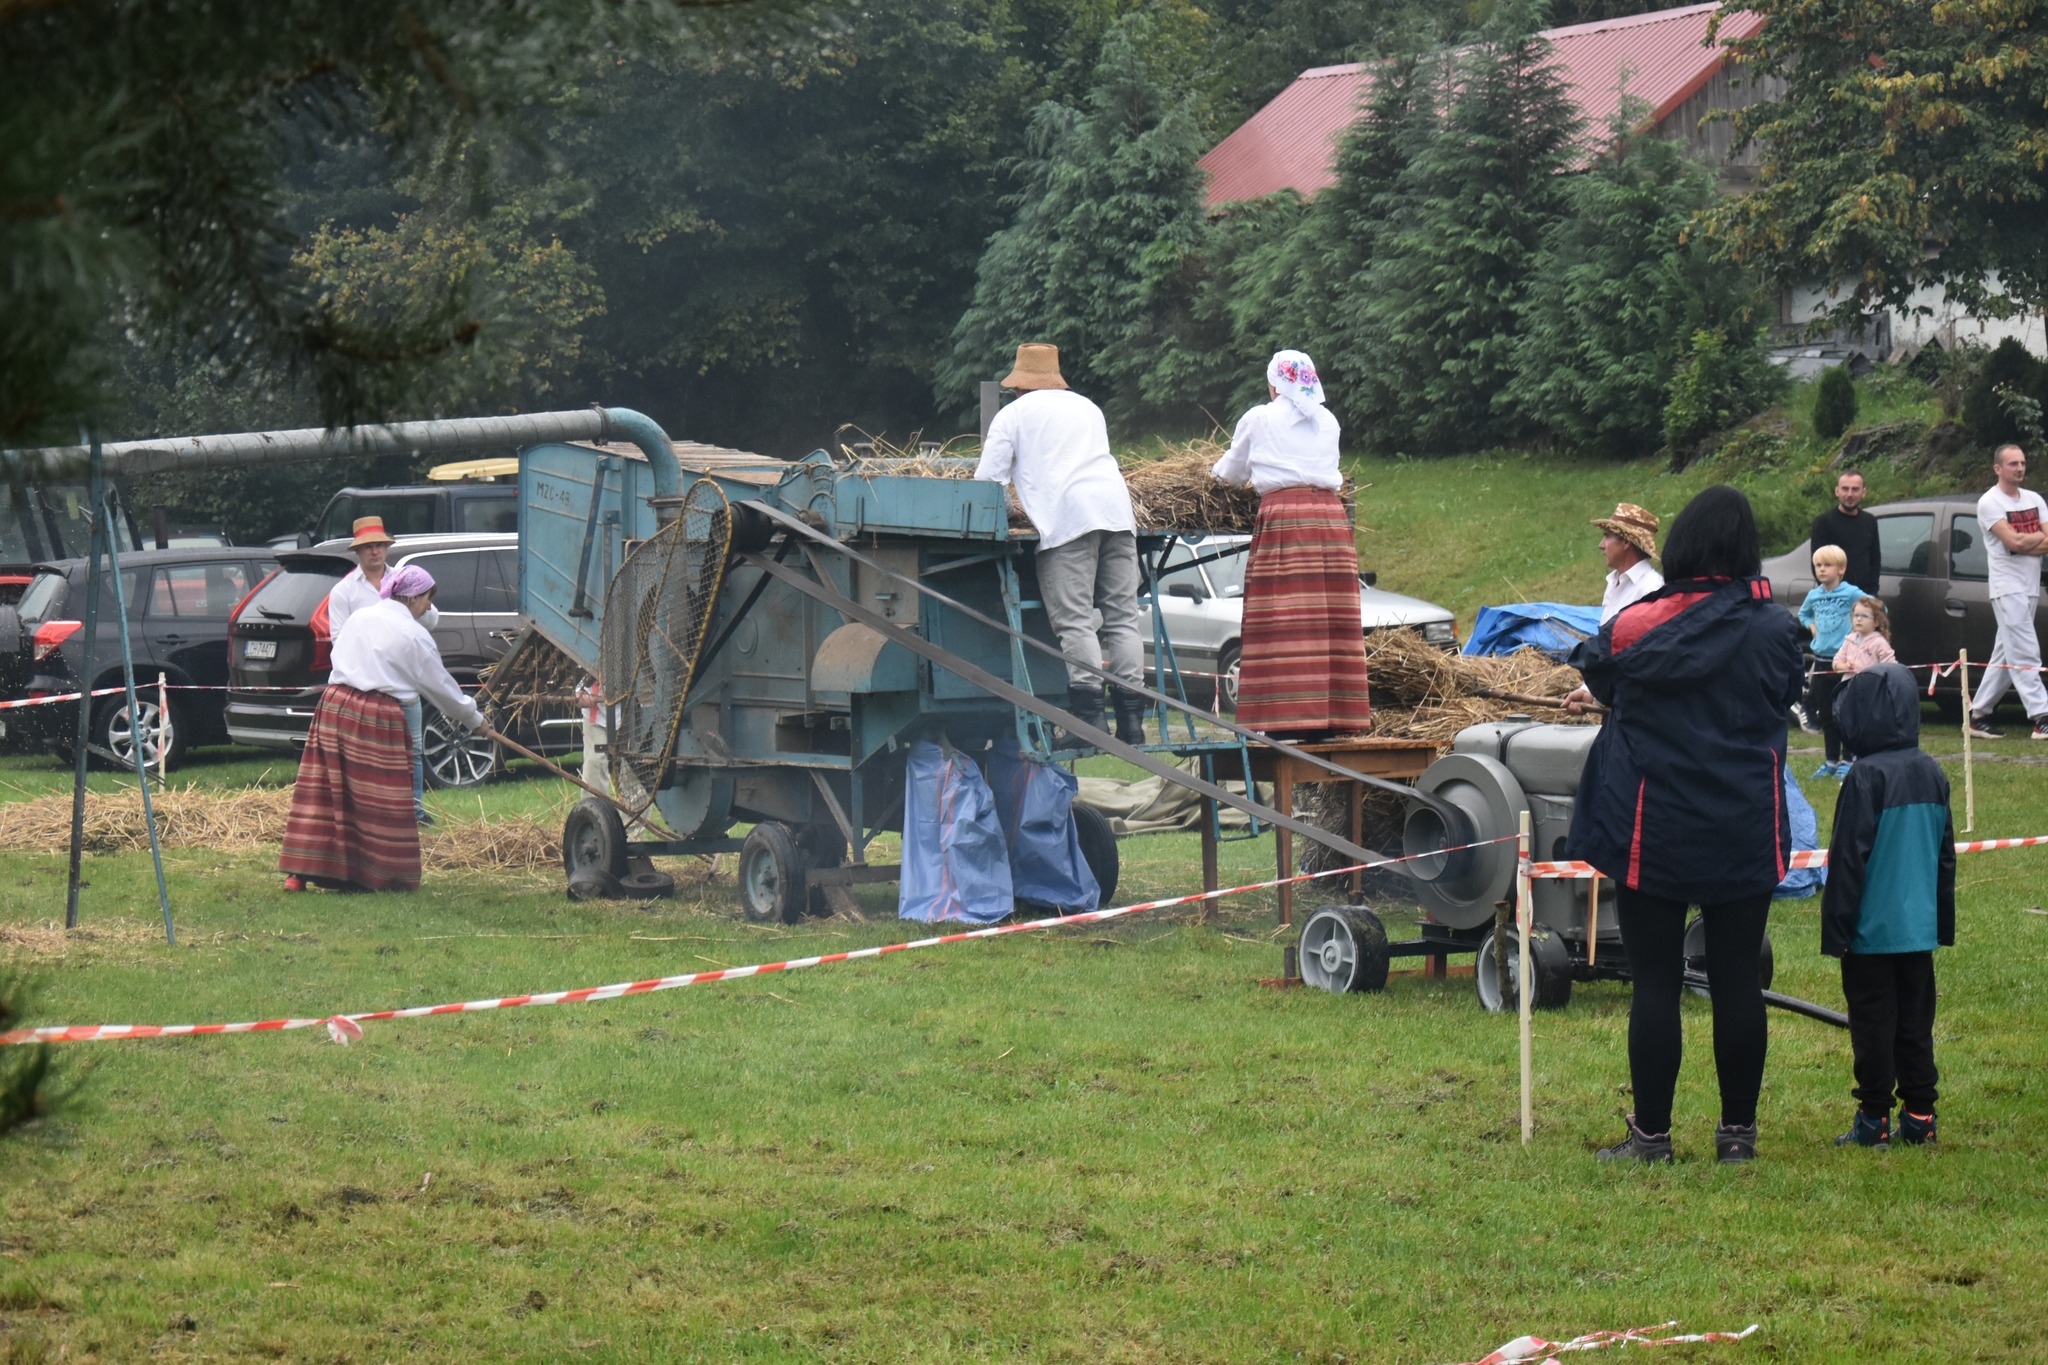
[(2016, 645), (1094, 572)]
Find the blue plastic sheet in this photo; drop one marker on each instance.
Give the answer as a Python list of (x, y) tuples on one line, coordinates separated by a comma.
[(1553, 627), (1800, 882), (1035, 802), (955, 866)]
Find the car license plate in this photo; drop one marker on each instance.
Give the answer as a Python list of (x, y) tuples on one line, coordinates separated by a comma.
[(260, 649)]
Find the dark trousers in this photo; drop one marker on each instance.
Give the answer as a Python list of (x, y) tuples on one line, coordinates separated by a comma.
[(1891, 1029), (1653, 932), (1820, 704)]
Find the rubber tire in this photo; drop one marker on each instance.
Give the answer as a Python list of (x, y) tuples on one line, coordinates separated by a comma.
[(771, 875), (460, 752), (1696, 956), (594, 837), (1367, 968), (1225, 692), (1549, 960), (110, 708), (647, 886), (1099, 851), (594, 884)]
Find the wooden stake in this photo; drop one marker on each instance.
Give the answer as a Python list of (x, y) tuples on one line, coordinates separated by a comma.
[(163, 728), (1525, 919), (1593, 920), (1969, 769)]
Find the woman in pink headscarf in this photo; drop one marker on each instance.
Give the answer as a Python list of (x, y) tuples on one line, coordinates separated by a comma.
[(1303, 651), (353, 825)]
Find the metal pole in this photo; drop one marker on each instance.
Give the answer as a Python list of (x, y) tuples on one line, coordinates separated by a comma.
[(135, 730), (94, 486), (1525, 920)]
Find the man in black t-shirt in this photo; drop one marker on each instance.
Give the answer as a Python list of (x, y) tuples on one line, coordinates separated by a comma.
[(1854, 530)]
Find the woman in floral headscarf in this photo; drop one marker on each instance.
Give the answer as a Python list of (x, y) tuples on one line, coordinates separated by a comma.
[(1303, 651), (352, 824)]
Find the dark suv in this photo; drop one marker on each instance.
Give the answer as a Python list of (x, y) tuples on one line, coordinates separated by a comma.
[(179, 604), (424, 510), (282, 652)]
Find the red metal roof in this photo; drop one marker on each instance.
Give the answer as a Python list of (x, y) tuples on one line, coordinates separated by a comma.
[(1291, 143)]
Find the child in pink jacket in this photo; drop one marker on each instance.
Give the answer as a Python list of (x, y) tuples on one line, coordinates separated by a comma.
[(1868, 642)]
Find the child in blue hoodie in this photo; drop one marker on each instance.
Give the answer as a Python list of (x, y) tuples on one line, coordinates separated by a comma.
[(1826, 614), (1890, 902)]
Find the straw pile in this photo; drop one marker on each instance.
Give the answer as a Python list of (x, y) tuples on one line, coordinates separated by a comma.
[(1173, 491), (248, 821), (532, 675), (1421, 692)]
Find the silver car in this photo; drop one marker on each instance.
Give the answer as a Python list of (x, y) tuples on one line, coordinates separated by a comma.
[(1201, 613)]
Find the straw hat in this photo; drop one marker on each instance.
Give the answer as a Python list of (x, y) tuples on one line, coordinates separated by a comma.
[(369, 531), (1038, 367), (1633, 524)]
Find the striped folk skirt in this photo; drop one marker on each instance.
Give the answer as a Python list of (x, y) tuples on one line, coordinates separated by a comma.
[(352, 817), (1303, 656)]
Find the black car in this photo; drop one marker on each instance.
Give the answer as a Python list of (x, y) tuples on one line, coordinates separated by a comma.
[(282, 651), (419, 510), (179, 603)]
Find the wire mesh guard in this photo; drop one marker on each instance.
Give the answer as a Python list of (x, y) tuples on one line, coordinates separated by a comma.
[(657, 614)]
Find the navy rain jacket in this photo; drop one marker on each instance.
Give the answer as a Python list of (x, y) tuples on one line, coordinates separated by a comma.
[(1892, 856), (1682, 795)]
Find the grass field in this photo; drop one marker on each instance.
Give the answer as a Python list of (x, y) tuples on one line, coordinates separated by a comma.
[(1106, 1143)]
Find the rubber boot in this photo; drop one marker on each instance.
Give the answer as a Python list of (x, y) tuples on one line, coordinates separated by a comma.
[(1084, 700), (1130, 715)]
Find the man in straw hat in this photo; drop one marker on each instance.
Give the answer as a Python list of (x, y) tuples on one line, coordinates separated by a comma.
[(1628, 542), (1052, 446), (360, 587)]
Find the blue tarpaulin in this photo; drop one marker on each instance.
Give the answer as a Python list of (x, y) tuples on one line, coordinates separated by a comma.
[(954, 864), (1553, 627), (1035, 803), (1800, 882)]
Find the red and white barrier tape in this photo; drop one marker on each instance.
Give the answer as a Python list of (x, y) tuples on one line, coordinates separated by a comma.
[(345, 1027), (1574, 870), (1534, 1350), (69, 696)]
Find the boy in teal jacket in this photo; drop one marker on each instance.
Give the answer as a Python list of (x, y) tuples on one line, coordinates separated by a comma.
[(1890, 902)]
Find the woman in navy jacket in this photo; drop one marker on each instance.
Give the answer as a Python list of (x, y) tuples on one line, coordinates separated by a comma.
[(1682, 803)]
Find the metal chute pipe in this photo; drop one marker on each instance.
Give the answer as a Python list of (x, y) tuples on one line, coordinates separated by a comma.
[(832, 598), (314, 443), (1791, 1004), (1454, 818)]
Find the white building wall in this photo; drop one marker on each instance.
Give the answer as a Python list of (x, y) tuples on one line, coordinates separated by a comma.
[(1942, 320)]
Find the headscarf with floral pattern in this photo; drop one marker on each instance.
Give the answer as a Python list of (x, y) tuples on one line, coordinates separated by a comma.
[(1293, 374)]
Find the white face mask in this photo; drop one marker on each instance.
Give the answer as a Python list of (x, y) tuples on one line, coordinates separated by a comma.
[(431, 617)]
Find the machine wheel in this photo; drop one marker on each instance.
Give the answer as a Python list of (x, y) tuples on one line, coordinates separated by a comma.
[(1696, 956), (771, 875), (594, 837), (1229, 665), (594, 884), (647, 886), (1098, 849), (454, 756), (1549, 961), (1344, 948), (113, 733)]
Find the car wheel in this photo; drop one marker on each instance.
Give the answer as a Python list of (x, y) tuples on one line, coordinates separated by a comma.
[(1227, 667), (114, 733), (455, 756)]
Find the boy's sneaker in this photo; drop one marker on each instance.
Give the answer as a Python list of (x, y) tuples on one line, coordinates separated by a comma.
[(1980, 727), (1649, 1148), (1735, 1143), (1806, 722), (1824, 770), (1869, 1132), (1917, 1130)]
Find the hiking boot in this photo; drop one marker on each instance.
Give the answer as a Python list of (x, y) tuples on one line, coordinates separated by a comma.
[(1648, 1148), (1130, 715), (1085, 701), (1734, 1143), (1917, 1130), (1980, 727), (1870, 1132)]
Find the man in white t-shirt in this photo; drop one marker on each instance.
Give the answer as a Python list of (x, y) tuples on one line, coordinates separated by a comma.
[(1052, 446), (2014, 542)]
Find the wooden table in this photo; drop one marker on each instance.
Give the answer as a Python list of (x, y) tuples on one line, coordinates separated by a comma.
[(1393, 759)]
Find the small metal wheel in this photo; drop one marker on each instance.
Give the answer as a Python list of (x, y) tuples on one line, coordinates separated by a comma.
[(647, 886), (1344, 948), (1696, 956), (1098, 849), (114, 733), (1550, 962), (594, 837), (771, 875), (456, 756)]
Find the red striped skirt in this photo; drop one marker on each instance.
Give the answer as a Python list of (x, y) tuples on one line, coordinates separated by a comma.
[(1303, 657), (352, 817)]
